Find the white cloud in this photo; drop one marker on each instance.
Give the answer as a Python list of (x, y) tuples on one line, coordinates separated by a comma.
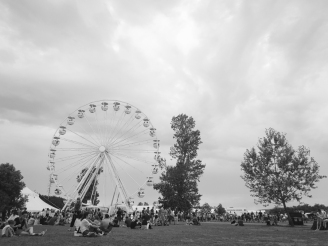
[(236, 67)]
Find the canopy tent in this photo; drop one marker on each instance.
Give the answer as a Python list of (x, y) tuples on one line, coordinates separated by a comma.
[(34, 204)]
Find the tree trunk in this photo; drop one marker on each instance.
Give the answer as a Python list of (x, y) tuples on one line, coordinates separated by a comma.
[(291, 222)]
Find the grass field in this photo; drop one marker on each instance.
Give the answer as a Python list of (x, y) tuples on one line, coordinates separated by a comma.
[(212, 233)]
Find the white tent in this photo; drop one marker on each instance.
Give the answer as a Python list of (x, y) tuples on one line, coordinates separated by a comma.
[(34, 204)]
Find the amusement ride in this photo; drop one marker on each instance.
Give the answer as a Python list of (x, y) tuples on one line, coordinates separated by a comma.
[(110, 146)]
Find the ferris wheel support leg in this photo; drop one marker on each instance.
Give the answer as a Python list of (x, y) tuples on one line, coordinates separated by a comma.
[(119, 183), (92, 178), (79, 186), (111, 204)]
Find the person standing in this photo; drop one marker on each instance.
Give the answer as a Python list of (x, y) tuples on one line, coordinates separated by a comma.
[(321, 214), (76, 211), (119, 215), (152, 215)]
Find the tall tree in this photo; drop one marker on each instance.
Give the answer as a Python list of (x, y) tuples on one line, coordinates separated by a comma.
[(11, 185), (219, 209), (92, 193), (179, 183), (276, 173), (205, 208)]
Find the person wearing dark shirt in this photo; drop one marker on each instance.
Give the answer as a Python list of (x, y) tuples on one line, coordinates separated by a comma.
[(119, 214), (52, 220), (24, 211), (128, 221), (116, 222), (76, 212), (135, 223)]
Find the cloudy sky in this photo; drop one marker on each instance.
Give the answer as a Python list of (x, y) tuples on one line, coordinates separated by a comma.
[(236, 67)]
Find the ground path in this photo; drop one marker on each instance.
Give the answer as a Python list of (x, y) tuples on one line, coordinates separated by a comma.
[(212, 233)]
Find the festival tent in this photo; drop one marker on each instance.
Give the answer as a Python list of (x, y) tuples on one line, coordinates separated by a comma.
[(34, 204)]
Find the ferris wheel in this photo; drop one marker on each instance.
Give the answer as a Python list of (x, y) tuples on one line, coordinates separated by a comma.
[(105, 146)]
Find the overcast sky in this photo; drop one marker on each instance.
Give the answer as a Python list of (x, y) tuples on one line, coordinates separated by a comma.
[(236, 67)]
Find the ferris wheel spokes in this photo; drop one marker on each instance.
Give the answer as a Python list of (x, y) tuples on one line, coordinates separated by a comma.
[(113, 129), (72, 157), (117, 135), (97, 124), (129, 137), (132, 144), (83, 160), (83, 137), (79, 143), (94, 132), (133, 158), (89, 135)]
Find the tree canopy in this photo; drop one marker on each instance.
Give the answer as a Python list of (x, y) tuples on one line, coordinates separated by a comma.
[(219, 209), (277, 173), (178, 186), (11, 185), (205, 208)]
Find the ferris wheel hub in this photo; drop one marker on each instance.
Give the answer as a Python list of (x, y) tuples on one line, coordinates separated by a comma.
[(102, 149)]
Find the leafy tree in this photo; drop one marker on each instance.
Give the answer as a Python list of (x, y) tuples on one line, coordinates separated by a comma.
[(205, 208), (140, 204), (92, 193), (219, 209), (276, 173), (11, 185), (178, 185)]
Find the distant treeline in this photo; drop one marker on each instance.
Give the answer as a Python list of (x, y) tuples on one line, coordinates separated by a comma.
[(305, 207)]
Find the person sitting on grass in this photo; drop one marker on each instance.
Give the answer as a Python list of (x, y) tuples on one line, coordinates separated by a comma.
[(240, 221), (145, 221), (116, 222), (2, 224), (96, 220), (194, 221), (106, 226), (28, 229), (52, 220), (8, 230), (135, 224), (128, 221), (88, 229), (60, 220)]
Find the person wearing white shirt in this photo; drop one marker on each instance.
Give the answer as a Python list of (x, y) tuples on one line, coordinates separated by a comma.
[(86, 227), (321, 214)]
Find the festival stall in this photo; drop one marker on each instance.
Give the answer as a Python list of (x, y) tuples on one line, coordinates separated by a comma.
[(34, 203)]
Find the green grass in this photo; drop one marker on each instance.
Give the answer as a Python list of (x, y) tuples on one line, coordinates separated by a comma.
[(216, 233)]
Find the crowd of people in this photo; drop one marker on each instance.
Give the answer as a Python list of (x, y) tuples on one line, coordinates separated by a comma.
[(90, 222), (19, 223)]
